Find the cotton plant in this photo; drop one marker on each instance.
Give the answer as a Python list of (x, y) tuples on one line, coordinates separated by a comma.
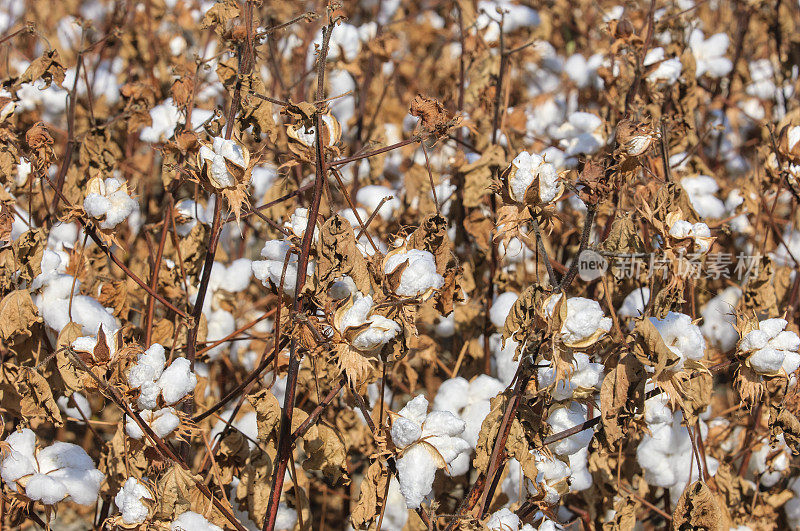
[(61, 471), (469, 401), (665, 454), (412, 272), (133, 501), (769, 349), (564, 417), (427, 442)]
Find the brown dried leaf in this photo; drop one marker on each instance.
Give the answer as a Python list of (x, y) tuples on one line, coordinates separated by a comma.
[(17, 314), (698, 508), (370, 500), (326, 452)]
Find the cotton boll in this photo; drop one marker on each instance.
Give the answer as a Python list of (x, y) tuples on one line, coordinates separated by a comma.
[(503, 520), (551, 471), (19, 461), (564, 418), (634, 303), (191, 521), (709, 54), (701, 190), (452, 395), (371, 196), (681, 336), (587, 375), (585, 320), (148, 367), (109, 202), (718, 319), (80, 409), (416, 469), (420, 274), (45, 489), (503, 358), (501, 307), (668, 70), (129, 501), (221, 324), (580, 477), (177, 381), (770, 348)]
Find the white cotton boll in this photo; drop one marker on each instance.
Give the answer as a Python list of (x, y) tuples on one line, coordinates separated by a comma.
[(350, 215), (452, 395), (232, 278), (112, 205), (73, 469), (580, 477), (791, 362), (74, 411), (148, 395), (701, 190), (549, 472), (718, 319), (129, 501), (584, 319), (177, 381), (416, 469), (371, 196), (164, 421), (709, 54), (503, 520), (191, 521), (564, 418), (148, 367), (501, 307), (757, 339), (221, 324), (419, 275), (585, 375), (667, 71), (657, 410), (634, 303), (503, 358), (681, 336), (45, 489), (19, 461), (766, 360), (405, 432), (445, 326)]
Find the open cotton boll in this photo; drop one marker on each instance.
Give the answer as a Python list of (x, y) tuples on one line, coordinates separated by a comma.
[(75, 407), (586, 375), (246, 424), (769, 460), (771, 348), (505, 520), (530, 168), (109, 202), (129, 501), (149, 366), (681, 337), (468, 400), (419, 275), (350, 215), (709, 54), (418, 463), (701, 190), (270, 270), (516, 17), (501, 307), (61, 470), (162, 422), (233, 278), (667, 71), (580, 478), (371, 196), (503, 358), (380, 330), (191, 521), (792, 507), (165, 118), (564, 418), (634, 303), (585, 322), (718, 319), (177, 381), (551, 478)]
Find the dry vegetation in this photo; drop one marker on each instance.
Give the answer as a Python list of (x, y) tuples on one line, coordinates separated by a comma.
[(399, 265)]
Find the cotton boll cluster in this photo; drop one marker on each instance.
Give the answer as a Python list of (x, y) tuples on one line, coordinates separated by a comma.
[(562, 418), (60, 301), (162, 421), (148, 375), (419, 461), (581, 134), (666, 453), (51, 474), (585, 322), (131, 501), (418, 277), (470, 402), (586, 377), (770, 348), (681, 336), (269, 271)]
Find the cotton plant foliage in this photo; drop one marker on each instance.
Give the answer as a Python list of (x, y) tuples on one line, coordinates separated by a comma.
[(400, 265)]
